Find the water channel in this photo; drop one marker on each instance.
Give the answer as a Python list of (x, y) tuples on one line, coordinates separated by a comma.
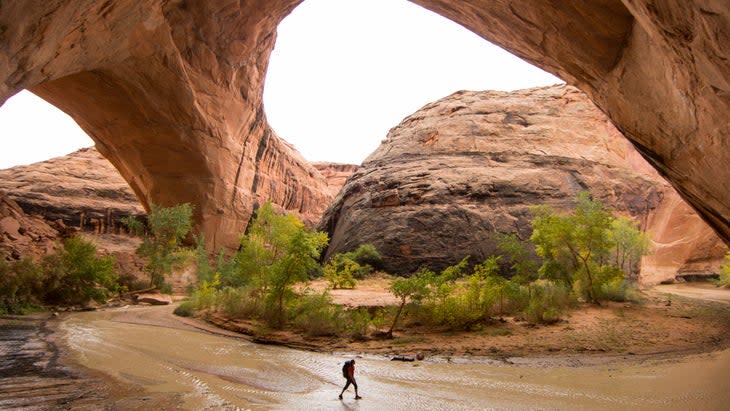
[(144, 346)]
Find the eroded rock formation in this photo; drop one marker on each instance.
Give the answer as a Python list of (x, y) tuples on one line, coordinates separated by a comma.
[(22, 235), (335, 175), (466, 167), (86, 192), (82, 189), (171, 90)]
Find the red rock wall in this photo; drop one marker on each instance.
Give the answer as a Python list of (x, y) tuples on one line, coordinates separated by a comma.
[(171, 91)]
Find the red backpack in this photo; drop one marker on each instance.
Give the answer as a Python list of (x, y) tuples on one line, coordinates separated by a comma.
[(346, 368)]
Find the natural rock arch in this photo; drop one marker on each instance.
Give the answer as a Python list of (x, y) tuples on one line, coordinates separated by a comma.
[(171, 90)]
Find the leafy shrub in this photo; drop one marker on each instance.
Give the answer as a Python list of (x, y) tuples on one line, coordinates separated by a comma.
[(620, 290), (340, 272), (129, 282), (21, 286), (523, 264), (240, 302), (357, 323), (276, 253), (366, 255), (206, 295), (185, 309), (577, 247), (317, 316), (547, 303), (455, 311), (724, 280), (160, 246), (75, 275)]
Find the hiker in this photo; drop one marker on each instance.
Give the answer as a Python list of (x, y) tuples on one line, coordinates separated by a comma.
[(348, 371)]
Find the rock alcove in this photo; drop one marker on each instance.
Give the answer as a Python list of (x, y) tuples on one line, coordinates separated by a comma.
[(171, 90)]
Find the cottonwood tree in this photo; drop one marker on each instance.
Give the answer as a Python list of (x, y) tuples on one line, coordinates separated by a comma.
[(277, 252), (629, 245), (163, 235), (407, 290), (574, 246)]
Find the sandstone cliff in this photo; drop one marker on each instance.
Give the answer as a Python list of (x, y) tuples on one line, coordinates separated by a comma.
[(335, 175), (171, 91), (85, 191), (82, 189), (468, 166), (21, 235)]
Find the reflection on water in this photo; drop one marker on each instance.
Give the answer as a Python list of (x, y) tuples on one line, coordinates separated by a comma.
[(215, 372)]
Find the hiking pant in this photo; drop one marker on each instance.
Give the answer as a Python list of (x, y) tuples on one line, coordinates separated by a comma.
[(350, 381)]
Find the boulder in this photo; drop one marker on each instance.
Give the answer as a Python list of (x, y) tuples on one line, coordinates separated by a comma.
[(23, 235), (463, 169), (153, 299)]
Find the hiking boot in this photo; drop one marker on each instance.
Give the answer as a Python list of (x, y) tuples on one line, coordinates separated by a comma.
[(340, 396), (357, 397)]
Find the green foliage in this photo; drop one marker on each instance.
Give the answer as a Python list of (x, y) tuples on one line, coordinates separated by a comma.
[(277, 252), (161, 245), (629, 245), (367, 256), (523, 265), (547, 303), (724, 280), (621, 290), (75, 275), (205, 296), (454, 272), (21, 286), (300, 257), (413, 289), (317, 316), (240, 302), (185, 309), (340, 272), (576, 248), (225, 268), (343, 269), (357, 323)]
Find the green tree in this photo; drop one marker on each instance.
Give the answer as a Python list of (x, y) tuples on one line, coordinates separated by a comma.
[(277, 252), (725, 272), (301, 256), (522, 262), (21, 285), (454, 272), (167, 227), (368, 257), (629, 245), (74, 274), (573, 245), (413, 289), (340, 271)]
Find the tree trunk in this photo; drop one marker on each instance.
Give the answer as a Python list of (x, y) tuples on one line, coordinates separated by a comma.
[(395, 319)]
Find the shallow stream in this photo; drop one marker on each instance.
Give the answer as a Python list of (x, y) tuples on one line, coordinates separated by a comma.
[(208, 371)]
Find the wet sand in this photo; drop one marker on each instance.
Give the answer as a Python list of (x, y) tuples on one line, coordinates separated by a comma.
[(177, 365)]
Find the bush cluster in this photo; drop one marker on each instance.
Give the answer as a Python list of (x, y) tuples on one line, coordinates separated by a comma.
[(724, 280), (72, 275), (586, 255)]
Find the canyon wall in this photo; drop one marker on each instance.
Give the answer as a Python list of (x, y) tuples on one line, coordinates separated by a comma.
[(171, 90), (463, 169), (85, 192), (82, 189)]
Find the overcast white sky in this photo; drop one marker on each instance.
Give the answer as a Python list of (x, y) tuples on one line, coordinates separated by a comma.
[(342, 74)]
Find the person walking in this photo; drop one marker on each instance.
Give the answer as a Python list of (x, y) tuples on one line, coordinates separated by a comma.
[(348, 371)]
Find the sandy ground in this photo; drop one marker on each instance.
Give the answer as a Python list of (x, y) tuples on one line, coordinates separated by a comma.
[(176, 367)]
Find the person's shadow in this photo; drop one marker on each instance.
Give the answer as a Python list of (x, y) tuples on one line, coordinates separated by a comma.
[(350, 406)]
